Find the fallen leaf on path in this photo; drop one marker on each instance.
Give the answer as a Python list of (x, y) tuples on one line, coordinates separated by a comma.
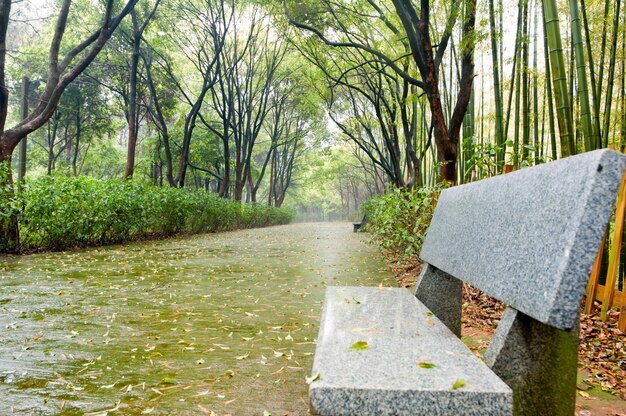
[(313, 378), (359, 346)]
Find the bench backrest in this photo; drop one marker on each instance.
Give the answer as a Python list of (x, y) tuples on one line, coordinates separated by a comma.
[(529, 238)]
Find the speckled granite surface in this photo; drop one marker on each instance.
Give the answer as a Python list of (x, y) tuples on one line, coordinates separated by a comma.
[(538, 362), (442, 294), (529, 238), (386, 378)]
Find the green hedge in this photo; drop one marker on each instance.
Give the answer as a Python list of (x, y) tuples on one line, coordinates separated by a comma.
[(399, 219), (57, 212)]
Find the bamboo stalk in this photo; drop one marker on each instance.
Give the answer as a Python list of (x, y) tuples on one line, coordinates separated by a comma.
[(514, 69), (583, 89), (496, 84), (601, 66), (623, 137), (525, 87), (609, 87), (559, 78), (592, 73), (549, 91), (535, 88), (516, 128)]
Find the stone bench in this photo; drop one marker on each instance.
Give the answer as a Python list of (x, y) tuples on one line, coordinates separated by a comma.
[(358, 226), (528, 238)]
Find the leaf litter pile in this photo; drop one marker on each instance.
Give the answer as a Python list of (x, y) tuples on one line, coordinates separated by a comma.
[(602, 351), (211, 325)]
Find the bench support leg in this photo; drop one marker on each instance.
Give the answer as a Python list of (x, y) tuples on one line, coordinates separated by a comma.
[(442, 294), (538, 362)]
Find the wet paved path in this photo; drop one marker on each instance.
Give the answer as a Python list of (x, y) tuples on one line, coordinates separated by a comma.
[(220, 323)]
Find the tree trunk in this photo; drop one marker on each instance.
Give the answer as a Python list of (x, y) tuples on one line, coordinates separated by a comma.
[(427, 60), (9, 230), (133, 122), (21, 173), (223, 191), (157, 115), (51, 140), (252, 189), (77, 138), (270, 193)]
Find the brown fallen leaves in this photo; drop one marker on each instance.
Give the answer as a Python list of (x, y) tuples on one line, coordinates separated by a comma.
[(405, 268), (602, 352), (481, 310)]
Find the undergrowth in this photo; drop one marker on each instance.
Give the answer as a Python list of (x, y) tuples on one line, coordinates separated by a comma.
[(57, 212), (399, 219)]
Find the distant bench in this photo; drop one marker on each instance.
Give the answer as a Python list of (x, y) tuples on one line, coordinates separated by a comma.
[(528, 238), (358, 226)]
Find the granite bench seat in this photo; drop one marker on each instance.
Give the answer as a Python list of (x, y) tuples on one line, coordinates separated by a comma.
[(358, 226), (527, 238), (413, 364)]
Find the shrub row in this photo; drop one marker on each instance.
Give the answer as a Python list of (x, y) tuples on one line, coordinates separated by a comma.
[(57, 212), (399, 219)]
